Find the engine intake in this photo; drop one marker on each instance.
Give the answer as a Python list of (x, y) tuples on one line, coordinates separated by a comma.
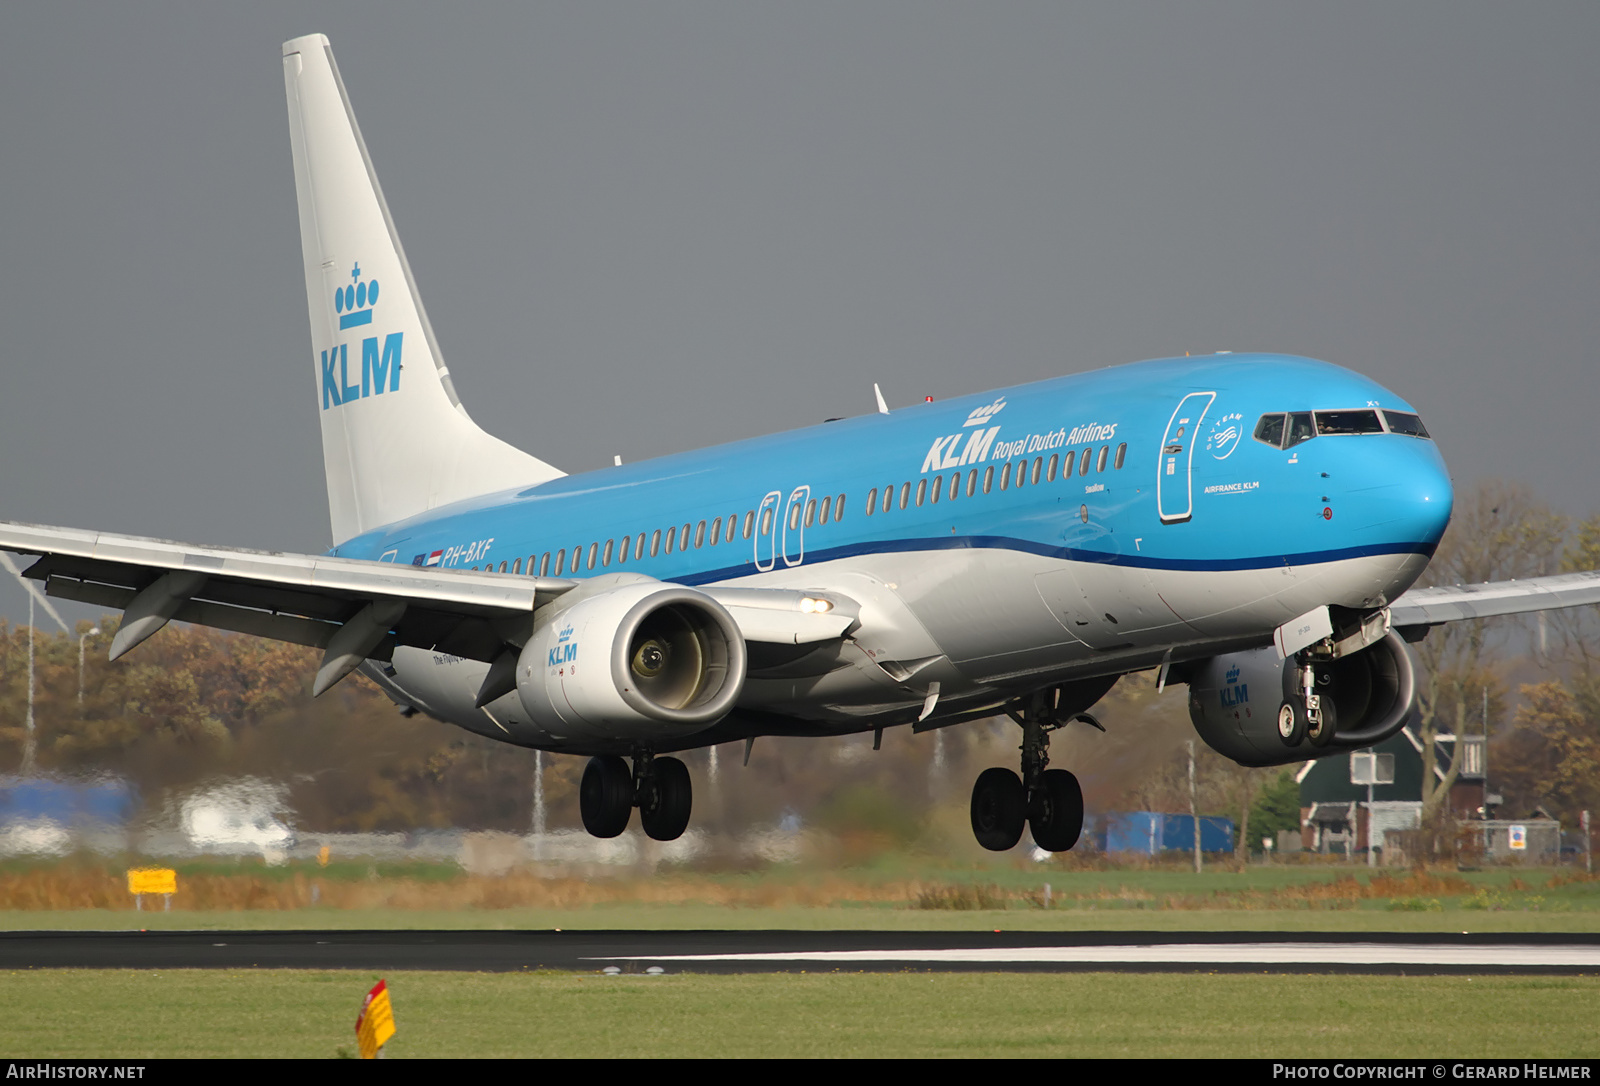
[(1234, 701), (640, 659)]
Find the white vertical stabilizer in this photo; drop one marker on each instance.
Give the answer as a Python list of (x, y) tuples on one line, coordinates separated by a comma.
[(395, 439)]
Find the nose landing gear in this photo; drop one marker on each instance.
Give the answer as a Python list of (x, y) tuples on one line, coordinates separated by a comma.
[(659, 787), (1050, 801)]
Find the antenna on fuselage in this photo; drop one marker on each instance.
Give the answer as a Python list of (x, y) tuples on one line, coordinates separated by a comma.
[(883, 408)]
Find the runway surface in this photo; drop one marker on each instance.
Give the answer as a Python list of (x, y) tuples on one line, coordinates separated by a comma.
[(807, 951)]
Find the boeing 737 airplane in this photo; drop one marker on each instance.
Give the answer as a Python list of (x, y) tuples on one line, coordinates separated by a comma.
[(1250, 525)]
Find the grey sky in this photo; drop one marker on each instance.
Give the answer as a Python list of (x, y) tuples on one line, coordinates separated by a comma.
[(644, 227)]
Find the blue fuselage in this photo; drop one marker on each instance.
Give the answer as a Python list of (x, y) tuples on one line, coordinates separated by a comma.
[(1089, 522)]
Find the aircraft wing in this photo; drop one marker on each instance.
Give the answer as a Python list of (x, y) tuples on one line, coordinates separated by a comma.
[(353, 609), (1432, 606)]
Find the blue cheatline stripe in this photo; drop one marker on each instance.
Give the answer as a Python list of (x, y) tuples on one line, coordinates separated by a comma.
[(1068, 554), (351, 320)]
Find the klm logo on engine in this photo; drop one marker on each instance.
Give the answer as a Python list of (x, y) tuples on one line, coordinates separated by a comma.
[(566, 650), (1235, 693), (380, 367)]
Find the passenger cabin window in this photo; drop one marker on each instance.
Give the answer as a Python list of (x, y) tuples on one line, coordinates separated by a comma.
[(1404, 422), (1068, 460), (838, 509), (699, 535), (655, 542), (561, 560), (1122, 453), (605, 558), (672, 537), (827, 507), (872, 501), (1105, 452), (922, 490)]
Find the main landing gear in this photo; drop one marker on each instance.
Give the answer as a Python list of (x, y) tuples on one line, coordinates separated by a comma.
[(1048, 800), (659, 787)]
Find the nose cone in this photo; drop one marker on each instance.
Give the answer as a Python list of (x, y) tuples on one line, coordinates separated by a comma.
[(1426, 490), (1405, 498)]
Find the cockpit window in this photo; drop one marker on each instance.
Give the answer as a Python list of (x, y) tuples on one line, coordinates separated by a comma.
[(1270, 430), (1299, 429), (1349, 422), (1284, 431), (1404, 422)]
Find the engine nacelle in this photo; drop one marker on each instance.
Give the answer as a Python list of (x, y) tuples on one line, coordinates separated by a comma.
[(1234, 701), (640, 660)]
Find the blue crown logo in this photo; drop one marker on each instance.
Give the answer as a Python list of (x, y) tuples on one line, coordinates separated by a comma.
[(354, 303), (1233, 674)]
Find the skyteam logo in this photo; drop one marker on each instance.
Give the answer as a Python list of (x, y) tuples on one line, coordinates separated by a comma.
[(1225, 434), (985, 413), (380, 368)]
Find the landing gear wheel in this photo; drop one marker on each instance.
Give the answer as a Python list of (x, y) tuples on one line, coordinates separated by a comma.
[(664, 811), (999, 808), (1291, 724), (1321, 733), (1057, 816), (605, 796)]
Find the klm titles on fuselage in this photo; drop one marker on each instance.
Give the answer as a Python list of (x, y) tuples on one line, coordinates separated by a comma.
[(981, 444), (380, 367)]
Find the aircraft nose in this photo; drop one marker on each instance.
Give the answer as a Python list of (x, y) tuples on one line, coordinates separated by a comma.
[(1420, 497)]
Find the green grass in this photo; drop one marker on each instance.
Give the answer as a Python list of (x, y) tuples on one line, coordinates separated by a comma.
[(132, 1015), (896, 892)]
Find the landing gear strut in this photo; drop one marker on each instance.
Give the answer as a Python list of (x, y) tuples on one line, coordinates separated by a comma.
[(1305, 714), (1048, 800), (659, 787)]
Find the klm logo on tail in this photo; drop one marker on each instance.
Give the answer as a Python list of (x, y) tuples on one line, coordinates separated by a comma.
[(379, 368)]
